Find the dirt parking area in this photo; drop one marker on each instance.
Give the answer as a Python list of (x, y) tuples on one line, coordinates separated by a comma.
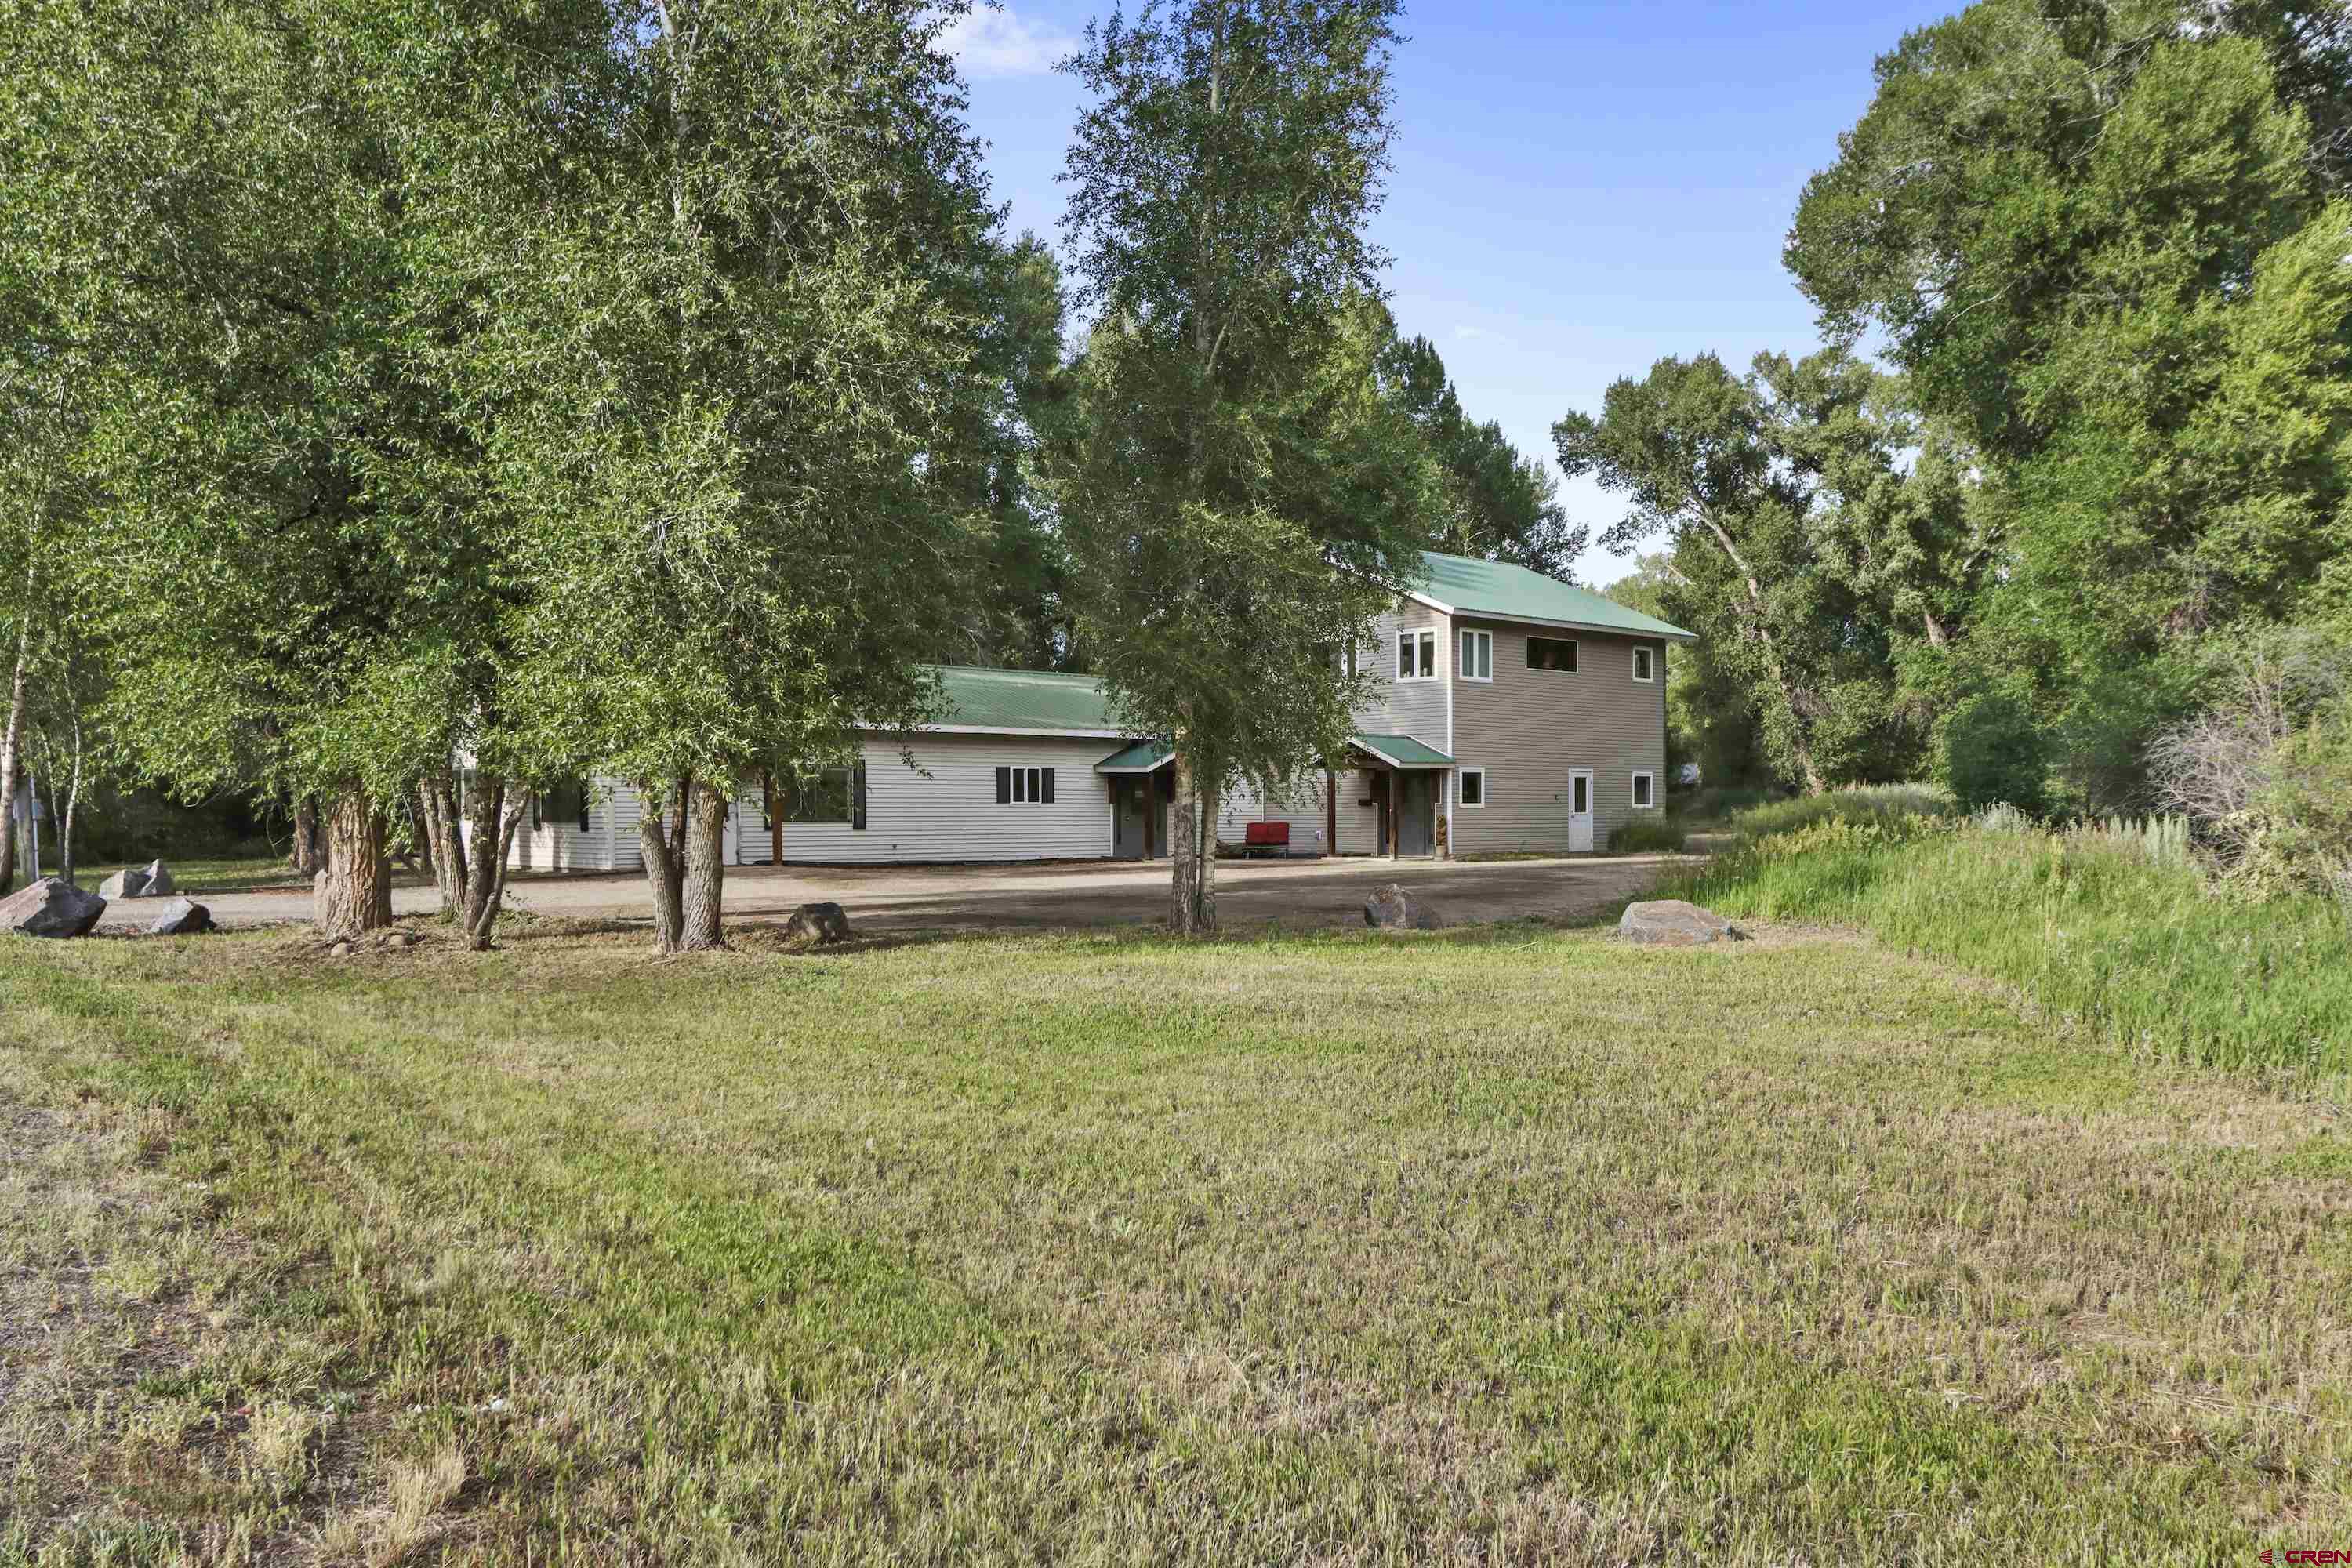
[(956, 897)]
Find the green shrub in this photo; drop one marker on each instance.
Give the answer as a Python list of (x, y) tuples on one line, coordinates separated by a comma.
[(2110, 926), (1648, 835), (1992, 751), (1878, 804)]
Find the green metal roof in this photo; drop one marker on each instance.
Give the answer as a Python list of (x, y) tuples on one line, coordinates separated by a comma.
[(1143, 757), (1024, 699), (1511, 593), (1402, 751)]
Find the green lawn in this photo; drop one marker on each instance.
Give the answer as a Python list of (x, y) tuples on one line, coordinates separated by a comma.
[(197, 878), (1510, 1245)]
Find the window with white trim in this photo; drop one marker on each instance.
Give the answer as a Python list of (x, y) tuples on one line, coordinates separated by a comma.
[(1472, 788), (1025, 786), (1477, 656), (1645, 791), (1417, 656), (1645, 664)]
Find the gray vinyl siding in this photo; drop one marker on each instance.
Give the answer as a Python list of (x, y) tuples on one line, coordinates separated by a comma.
[(952, 813), (1415, 708), (1528, 727)]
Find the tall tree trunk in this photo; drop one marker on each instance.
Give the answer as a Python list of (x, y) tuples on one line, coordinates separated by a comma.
[(308, 858), (702, 930), (1183, 852), (355, 895), (12, 750), (665, 856), (495, 813), (73, 799), (437, 795)]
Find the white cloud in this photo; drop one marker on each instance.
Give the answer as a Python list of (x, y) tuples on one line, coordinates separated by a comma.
[(990, 41)]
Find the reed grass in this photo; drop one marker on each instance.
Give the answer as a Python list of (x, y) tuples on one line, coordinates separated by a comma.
[(2109, 926)]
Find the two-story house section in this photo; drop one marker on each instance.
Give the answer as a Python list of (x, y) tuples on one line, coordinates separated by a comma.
[(1515, 712), (1510, 712)]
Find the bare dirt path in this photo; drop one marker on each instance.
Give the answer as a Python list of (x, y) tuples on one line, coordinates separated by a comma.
[(1295, 892)]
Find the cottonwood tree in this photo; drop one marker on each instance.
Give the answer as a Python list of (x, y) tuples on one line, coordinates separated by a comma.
[(303, 559), (1497, 504), (720, 363), (2104, 243), (1242, 496), (1799, 544)]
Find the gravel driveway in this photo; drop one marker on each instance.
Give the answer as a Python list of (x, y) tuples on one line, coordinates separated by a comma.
[(950, 898)]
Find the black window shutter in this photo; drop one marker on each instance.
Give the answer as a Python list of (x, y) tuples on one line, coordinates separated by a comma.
[(537, 806), (1048, 796), (583, 805), (858, 805), (1004, 787)]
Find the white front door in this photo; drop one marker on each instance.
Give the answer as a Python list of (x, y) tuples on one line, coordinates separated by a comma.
[(1580, 809)]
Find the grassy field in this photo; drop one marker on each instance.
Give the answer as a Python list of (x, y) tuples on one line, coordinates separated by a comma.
[(1501, 1246), (2109, 927), (197, 878)]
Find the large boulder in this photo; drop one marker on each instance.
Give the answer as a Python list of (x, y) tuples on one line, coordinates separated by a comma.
[(51, 907), (1672, 923), (1393, 908), (128, 883), (818, 923), (159, 882), (180, 918)]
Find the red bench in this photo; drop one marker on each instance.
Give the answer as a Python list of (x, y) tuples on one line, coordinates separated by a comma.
[(1266, 838)]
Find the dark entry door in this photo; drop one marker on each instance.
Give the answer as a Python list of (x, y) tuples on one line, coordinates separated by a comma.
[(1126, 816), (1415, 797)]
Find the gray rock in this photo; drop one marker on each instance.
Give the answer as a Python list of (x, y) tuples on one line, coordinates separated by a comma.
[(1393, 908), (818, 923), (51, 907), (340, 950), (1672, 922), (123, 884), (180, 918), (159, 882), (402, 939)]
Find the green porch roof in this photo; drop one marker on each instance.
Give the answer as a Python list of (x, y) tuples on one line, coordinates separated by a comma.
[(1402, 750), (1143, 757), (1470, 587), (981, 698)]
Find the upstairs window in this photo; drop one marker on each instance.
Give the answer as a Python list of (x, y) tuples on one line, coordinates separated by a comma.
[(1477, 656), (1645, 664), (1417, 656), (1552, 653)]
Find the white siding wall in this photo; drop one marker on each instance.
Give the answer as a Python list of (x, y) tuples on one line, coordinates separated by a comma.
[(1242, 805), (952, 813), (610, 843)]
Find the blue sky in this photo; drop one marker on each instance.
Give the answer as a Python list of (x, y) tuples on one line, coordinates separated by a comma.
[(1580, 188)]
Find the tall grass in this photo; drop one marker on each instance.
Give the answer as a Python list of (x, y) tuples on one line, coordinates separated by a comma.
[(2110, 926)]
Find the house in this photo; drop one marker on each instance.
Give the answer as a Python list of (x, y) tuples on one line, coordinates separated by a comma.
[(1511, 713)]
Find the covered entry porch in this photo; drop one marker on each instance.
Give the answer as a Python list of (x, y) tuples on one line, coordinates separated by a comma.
[(1406, 781), (1140, 781)]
